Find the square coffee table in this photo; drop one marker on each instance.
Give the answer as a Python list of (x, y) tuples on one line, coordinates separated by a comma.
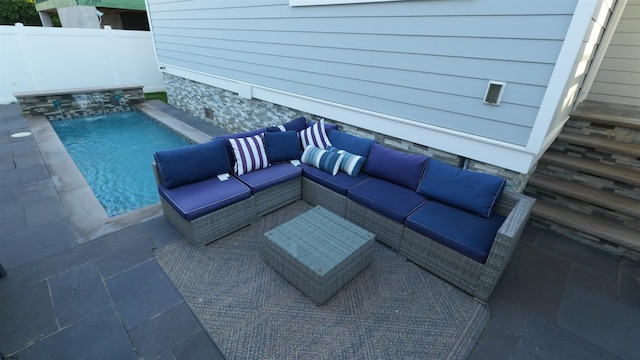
[(318, 252)]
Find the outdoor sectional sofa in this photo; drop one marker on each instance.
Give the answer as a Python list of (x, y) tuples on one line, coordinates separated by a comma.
[(460, 225)]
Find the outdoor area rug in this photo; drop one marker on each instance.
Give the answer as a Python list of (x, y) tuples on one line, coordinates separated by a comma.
[(392, 310)]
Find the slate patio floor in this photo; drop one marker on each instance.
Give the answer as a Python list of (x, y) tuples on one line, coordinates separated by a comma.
[(109, 299)]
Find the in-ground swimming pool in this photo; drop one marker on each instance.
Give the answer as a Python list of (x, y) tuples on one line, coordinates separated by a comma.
[(114, 153)]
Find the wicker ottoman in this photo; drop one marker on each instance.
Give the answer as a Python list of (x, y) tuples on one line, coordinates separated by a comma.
[(318, 252)]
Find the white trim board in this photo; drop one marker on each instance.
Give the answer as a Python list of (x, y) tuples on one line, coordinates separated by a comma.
[(333, 2), (498, 153), (559, 98)]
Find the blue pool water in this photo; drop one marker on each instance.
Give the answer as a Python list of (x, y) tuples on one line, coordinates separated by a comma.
[(114, 153)]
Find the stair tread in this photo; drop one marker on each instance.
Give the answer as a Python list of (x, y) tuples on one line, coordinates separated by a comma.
[(600, 143), (625, 237), (605, 171), (588, 194), (609, 119)]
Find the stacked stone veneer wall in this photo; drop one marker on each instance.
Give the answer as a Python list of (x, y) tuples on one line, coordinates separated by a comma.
[(234, 113), (69, 104)]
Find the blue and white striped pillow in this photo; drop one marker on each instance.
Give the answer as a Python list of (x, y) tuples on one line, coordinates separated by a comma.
[(315, 135), (351, 163), (328, 161), (249, 153)]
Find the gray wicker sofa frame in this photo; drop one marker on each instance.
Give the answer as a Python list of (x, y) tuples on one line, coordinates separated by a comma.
[(477, 279)]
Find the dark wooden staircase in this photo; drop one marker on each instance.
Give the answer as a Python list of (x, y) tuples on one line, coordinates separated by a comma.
[(588, 182)]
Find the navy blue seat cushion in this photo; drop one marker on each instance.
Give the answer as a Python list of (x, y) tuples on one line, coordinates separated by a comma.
[(353, 144), (275, 174), (196, 199), (282, 146), (339, 183), (391, 200), (192, 163), (468, 190), (459, 230), (295, 125), (396, 166)]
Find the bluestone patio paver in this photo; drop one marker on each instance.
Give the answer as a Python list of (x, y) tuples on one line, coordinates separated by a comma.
[(63, 261), (594, 280), (494, 344), (161, 231), (630, 284), (161, 333), (100, 336), (602, 321), (37, 243), (27, 316), (579, 253), (121, 260), (130, 247), (141, 293), (78, 293), (544, 340), (535, 280), (507, 316), (197, 347), (12, 217)]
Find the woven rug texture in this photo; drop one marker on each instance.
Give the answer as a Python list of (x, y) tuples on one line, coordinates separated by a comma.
[(392, 310)]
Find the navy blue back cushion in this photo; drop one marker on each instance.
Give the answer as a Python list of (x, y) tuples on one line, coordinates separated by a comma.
[(192, 163), (396, 166), (282, 146), (295, 125), (472, 191), (353, 144)]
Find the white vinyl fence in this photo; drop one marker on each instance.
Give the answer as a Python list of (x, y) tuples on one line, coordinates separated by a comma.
[(45, 58)]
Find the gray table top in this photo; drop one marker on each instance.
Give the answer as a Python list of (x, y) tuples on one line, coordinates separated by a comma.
[(319, 239)]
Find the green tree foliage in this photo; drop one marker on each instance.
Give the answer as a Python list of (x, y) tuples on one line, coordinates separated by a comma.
[(23, 11)]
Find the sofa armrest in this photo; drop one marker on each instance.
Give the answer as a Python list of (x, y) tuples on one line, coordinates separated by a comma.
[(518, 208), (156, 173)]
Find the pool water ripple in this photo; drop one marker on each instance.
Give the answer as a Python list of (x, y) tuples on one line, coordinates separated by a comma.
[(114, 153)]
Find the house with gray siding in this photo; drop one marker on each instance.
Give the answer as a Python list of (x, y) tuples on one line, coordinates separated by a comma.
[(488, 85)]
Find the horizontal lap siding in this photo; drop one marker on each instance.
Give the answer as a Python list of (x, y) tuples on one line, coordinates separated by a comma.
[(427, 61), (618, 79)]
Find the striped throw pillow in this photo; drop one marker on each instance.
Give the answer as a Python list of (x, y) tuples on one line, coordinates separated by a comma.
[(351, 163), (315, 135), (249, 153), (328, 161)]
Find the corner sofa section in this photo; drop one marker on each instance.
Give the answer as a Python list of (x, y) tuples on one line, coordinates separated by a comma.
[(202, 205), (460, 225)]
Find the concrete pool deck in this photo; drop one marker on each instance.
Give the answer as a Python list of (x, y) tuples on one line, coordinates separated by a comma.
[(109, 298)]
